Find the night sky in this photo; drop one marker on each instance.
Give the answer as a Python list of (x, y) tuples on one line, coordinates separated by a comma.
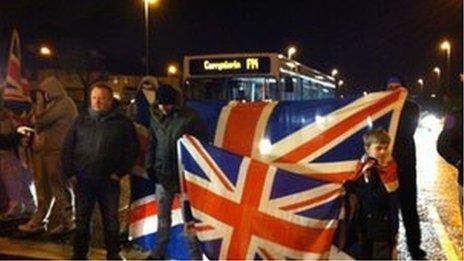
[(366, 40)]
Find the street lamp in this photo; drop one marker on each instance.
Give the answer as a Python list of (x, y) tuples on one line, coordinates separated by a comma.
[(45, 51), (172, 69), (147, 3), (437, 71), (291, 51), (340, 83), (420, 81), (48, 56), (446, 46), (334, 72)]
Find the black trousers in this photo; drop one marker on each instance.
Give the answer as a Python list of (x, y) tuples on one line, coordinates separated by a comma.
[(106, 193), (407, 193)]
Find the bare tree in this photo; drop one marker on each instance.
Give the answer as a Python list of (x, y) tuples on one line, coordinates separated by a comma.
[(87, 65)]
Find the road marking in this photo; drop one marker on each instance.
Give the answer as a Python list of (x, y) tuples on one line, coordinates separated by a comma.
[(443, 238)]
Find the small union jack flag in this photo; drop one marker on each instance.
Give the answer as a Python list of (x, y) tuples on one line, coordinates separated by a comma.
[(16, 91)]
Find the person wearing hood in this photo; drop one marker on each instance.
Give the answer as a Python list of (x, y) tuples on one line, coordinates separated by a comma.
[(54, 113), (139, 110), (100, 148)]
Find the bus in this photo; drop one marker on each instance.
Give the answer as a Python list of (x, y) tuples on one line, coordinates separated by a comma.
[(253, 77)]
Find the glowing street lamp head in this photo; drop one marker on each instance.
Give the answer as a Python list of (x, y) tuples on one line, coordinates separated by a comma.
[(45, 51), (445, 45), (334, 72), (420, 81), (172, 69), (291, 51), (151, 2), (340, 82), (437, 70)]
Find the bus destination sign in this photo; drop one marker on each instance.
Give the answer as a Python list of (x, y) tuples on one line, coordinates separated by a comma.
[(233, 65)]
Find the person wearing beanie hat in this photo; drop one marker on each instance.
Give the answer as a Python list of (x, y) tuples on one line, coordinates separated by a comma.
[(394, 82), (165, 130), (404, 153)]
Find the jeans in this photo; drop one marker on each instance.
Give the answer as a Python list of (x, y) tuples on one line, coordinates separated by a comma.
[(106, 193), (165, 199)]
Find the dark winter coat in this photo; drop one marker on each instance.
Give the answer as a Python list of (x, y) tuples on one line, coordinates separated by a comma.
[(377, 217), (165, 130), (404, 151), (449, 143), (99, 146)]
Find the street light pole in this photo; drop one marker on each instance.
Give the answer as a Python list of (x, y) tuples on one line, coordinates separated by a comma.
[(446, 46), (147, 4), (147, 67)]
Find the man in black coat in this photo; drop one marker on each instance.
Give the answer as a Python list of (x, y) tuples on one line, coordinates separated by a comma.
[(100, 148), (404, 153)]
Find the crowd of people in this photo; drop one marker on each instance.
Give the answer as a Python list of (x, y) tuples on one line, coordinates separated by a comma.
[(84, 156)]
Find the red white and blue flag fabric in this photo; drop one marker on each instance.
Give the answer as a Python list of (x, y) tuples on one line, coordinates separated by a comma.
[(144, 222), (271, 186), (246, 209), (16, 89)]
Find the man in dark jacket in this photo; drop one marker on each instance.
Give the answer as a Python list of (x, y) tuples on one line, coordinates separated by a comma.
[(100, 148), (404, 152), (168, 124), (449, 145)]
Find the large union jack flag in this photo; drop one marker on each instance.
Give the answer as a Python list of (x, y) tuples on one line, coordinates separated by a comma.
[(271, 186)]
